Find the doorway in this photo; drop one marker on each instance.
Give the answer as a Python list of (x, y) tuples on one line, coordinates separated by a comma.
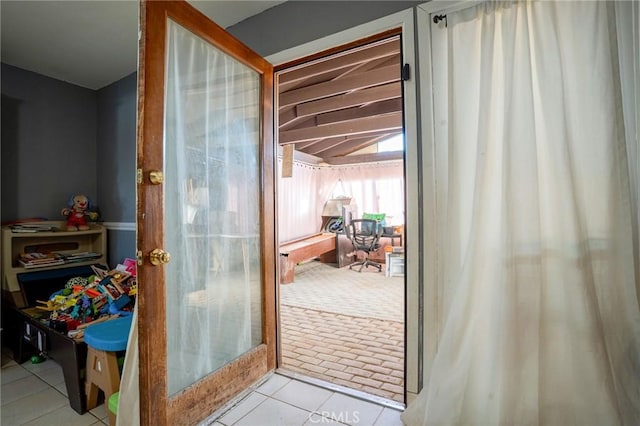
[(340, 127)]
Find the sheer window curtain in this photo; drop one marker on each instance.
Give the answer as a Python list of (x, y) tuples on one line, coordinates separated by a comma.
[(299, 202), (628, 33), (375, 188), (540, 319)]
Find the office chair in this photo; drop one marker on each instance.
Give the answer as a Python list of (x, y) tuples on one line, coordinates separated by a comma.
[(365, 236)]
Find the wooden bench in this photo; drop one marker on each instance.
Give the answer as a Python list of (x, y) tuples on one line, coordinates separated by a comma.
[(293, 252)]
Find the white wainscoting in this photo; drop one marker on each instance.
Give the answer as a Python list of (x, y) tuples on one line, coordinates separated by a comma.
[(120, 226)]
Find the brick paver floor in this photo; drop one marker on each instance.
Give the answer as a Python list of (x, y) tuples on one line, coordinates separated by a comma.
[(358, 352)]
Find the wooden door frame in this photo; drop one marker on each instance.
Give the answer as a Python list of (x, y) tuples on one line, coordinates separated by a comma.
[(418, 166), (199, 400)]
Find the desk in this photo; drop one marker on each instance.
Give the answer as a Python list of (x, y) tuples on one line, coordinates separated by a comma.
[(393, 238)]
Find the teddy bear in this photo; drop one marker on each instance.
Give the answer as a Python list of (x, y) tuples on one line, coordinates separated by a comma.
[(77, 213)]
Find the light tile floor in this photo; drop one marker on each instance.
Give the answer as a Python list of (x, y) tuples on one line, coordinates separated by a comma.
[(284, 401), (35, 395)]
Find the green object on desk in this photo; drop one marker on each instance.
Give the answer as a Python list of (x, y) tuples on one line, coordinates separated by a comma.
[(380, 217)]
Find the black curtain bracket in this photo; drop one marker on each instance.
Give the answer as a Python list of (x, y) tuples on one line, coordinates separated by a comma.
[(438, 18)]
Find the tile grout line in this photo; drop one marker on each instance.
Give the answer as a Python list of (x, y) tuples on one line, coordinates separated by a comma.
[(49, 387)]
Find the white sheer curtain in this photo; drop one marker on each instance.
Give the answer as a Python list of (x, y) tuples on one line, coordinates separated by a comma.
[(212, 199), (628, 32), (375, 188), (300, 202), (540, 320)]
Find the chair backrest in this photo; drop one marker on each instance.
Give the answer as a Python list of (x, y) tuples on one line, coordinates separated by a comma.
[(364, 234)]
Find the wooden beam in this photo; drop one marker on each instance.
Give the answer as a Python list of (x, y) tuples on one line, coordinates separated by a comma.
[(363, 80), (377, 108), (352, 146), (361, 126), (370, 66), (298, 122), (387, 48), (365, 158), (328, 76), (299, 156), (291, 114), (310, 146), (364, 96), (332, 143), (389, 61), (286, 115)]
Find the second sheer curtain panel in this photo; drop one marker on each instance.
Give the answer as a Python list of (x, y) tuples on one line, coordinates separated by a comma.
[(540, 319)]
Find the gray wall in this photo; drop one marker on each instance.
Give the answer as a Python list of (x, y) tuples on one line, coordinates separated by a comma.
[(120, 245), (59, 139), (48, 144), (116, 135), (116, 165), (297, 22)]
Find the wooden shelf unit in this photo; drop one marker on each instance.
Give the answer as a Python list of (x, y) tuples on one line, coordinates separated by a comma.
[(59, 240)]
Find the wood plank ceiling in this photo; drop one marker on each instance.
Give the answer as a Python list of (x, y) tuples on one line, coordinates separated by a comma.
[(338, 108)]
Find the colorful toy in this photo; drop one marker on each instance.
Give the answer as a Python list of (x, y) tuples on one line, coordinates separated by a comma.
[(87, 300), (77, 211), (56, 303)]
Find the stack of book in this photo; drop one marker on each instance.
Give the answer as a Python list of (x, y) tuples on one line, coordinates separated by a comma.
[(80, 257), (32, 227), (40, 260)]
